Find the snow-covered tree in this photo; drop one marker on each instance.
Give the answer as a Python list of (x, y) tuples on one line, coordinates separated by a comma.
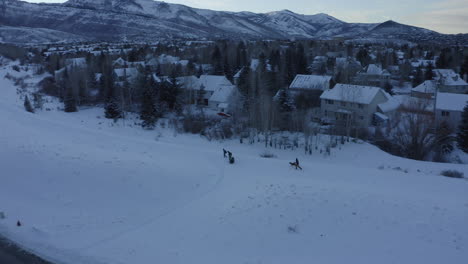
[(27, 105)]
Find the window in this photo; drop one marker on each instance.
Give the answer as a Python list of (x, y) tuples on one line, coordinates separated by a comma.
[(326, 113), (329, 102), (343, 103), (361, 106), (445, 113)]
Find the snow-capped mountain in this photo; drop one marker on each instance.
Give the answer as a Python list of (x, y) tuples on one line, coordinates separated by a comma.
[(149, 20)]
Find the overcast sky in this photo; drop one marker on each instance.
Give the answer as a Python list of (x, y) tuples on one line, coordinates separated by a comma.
[(445, 16)]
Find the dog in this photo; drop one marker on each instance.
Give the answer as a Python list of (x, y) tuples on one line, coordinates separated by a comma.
[(295, 165)]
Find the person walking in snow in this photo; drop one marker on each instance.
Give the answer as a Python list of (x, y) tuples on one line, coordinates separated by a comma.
[(224, 152)]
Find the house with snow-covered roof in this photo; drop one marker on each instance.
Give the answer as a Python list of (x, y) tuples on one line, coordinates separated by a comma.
[(310, 83), (70, 65), (213, 91), (373, 75), (449, 108), (121, 63), (425, 90), (360, 105), (125, 74), (450, 82)]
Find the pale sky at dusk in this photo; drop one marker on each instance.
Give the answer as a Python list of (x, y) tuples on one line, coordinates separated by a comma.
[(445, 16)]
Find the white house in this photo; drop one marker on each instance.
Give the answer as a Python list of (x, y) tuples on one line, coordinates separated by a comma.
[(449, 108), (125, 74), (450, 82), (121, 63), (361, 105), (425, 90), (374, 75), (217, 91), (70, 64)]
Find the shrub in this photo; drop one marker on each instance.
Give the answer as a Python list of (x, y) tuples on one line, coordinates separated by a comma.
[(452, 174), (267, 155)]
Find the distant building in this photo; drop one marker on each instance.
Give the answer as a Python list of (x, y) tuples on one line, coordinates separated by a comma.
[(373, 75), (125, 74), (121, 63), (449, 108), (450, 82)]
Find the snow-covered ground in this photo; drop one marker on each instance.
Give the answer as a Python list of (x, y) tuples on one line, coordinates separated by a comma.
[(90, 191)]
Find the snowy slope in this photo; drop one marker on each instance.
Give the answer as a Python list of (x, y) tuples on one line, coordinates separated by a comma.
[(90, 191)]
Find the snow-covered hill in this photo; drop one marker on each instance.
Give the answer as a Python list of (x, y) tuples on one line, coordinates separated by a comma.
[(149, 20), (88, 190)]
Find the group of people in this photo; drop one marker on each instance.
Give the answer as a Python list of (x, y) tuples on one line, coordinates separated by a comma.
[(229, 155)]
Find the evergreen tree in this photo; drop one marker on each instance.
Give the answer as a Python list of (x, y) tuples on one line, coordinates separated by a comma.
[(285, 101), (70, 102), (388, 88), (149, 111), (464, 68), (301, 60), (429, 74), (363, 57), (418, 77), (216, 59), (27, 105), (112, 109), (462, 136)]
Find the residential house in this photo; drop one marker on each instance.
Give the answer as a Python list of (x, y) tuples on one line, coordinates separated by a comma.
[(450, 82), (373, 75), (449, 108), (425, 90), (70, 64), (360, 105), (121, 63), (215, 92), (125, 74), (311, 86), (319, 65)]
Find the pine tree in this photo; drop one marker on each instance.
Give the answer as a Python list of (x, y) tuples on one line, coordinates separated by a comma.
[(70, 102), (149, 112), (112, 109), (27, 105), (462, 136), (301, 60), (418, 77), (429, 74), (285, 101), (464, 68)]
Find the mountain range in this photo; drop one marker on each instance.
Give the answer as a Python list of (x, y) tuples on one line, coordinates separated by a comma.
[(148, 20)]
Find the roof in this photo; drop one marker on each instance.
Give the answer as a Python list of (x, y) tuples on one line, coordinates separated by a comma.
[(76, 62), (310, 82), (382, 116), (130, 72), (451, 102), (213, 82), (189, 82), (428, 86), (373, 69), (351, 93), (391, 105), (223, 93), (449, 77)]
